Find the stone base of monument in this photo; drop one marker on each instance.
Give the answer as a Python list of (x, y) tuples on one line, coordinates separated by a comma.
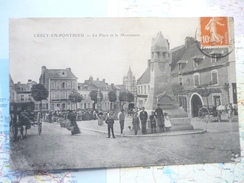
[(181, 124), (179, 120)]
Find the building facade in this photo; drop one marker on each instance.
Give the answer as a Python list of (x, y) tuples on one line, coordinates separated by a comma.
[(59, 83), (89, 85), (23, 92), (193, 70)]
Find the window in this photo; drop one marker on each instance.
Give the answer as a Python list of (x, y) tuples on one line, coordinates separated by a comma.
[(63, 95), (52, 95), (196, 79), (148, 88), (52, 85), (58, 85), (29, 97), (57, 95), (145, 90), (22, 97), (214, 77), (213, 59), (63, 85), (68, 85)]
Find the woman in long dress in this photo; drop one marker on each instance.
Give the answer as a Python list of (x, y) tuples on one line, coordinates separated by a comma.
[(74, 127), (167, 122), (100, 119)]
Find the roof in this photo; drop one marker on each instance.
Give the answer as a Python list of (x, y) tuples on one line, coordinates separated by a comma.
[(145, 78), (59, 73), (24, 87), (160, 42), (194, 52), (101, 84), (87, 87)]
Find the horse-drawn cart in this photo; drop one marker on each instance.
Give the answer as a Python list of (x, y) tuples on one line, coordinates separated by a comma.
[(22, 117), (213, 113)]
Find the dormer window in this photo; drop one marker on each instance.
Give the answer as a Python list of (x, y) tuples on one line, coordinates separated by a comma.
[(181, 64), (197, 60), (215, 54)]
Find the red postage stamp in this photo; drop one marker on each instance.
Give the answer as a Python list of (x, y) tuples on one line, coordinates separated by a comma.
[(214, 31)]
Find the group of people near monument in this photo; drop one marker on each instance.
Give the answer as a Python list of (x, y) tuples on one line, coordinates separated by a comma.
[(139, 121)]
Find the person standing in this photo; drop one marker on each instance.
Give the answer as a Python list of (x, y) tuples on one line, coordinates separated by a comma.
[(135, 123), (230, 110), (121, 117), (110, 122), (160, 118), (167, 122), (100, 118), (143, 117), (153, 122), (72, 117)]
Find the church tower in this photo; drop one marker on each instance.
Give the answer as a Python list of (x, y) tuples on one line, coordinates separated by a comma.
[(129, 81), (160, 84)]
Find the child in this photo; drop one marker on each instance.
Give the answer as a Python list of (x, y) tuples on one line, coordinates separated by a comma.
[(167, 122), (110, 122), (153, 122), (135, 123)]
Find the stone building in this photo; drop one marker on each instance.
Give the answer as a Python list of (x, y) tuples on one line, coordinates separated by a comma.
[(190, 68), (59, 83), (23, 92), (211, 69), (85, 88)]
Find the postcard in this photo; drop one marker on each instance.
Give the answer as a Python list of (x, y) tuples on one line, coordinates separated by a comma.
[(122, 92)]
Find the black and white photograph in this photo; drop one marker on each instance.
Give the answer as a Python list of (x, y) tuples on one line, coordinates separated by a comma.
[(122, 92)]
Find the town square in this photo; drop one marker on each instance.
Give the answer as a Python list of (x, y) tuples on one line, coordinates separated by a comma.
[(176, 105)]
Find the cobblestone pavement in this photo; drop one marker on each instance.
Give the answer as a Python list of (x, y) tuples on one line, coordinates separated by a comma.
[(56, 148)]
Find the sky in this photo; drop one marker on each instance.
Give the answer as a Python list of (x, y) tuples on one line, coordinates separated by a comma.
[(102, 53)]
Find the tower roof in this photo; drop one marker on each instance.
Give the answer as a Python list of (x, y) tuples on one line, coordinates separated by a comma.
[(129, 71), (160, 42)]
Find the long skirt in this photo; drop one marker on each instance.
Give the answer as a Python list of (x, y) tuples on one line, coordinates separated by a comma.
[(74, 128)]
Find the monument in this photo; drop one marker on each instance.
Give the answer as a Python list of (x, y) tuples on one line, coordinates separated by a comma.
[(160, 85)]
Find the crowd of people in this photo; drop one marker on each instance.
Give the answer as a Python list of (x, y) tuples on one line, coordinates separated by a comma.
[(139, 121)]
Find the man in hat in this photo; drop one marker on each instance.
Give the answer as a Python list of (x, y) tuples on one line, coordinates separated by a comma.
[(143, 117), (121, 117), (160, 118)]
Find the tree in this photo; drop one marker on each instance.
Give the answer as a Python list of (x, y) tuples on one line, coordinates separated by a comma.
[(112, 97), (93, 94), (75, 97), (39, 93), (177, 90), (126, 97)]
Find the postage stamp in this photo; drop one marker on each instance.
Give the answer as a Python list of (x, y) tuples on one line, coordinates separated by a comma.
[(214, 32)]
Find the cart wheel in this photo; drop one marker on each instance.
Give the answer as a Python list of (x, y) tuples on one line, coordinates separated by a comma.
[(204, 115)]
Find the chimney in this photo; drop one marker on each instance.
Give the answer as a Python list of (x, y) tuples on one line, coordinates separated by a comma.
[(29, 80), (104, 80), (97, 79), (189, 41), (69, 69), (43, 69)]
